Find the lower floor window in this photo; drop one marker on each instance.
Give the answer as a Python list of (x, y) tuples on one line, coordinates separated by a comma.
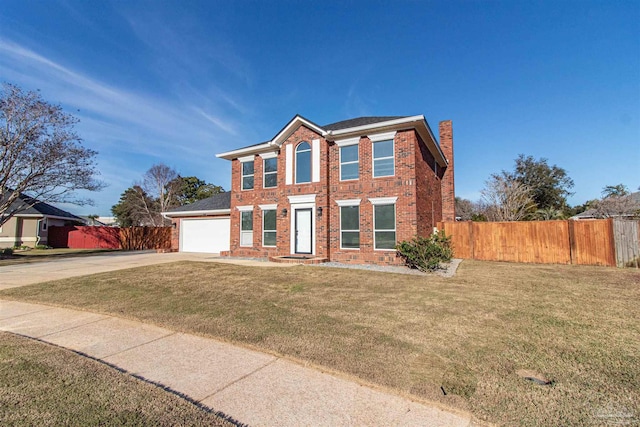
[(269, 227), (350, 227), (246, 228), (384, 219)]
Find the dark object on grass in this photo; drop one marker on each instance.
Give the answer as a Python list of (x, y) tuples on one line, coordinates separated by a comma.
[(534, 377)]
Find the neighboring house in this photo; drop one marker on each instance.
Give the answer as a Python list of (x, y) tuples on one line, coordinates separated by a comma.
[(30, 226), (346, 192), (626, 207)]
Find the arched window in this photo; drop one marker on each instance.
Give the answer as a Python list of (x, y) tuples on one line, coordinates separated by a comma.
[(303, 163)]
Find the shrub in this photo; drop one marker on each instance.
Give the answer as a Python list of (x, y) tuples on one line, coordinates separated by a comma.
[(43, 247), (426, 253), (7, 252)]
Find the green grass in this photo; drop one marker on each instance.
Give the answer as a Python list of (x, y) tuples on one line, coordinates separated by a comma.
[(469, 335), (44, 385)]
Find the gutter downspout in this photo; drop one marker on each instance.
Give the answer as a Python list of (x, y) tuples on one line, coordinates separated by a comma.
[(38, 237)]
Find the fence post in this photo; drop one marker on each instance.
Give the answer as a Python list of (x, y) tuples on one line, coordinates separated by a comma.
[(471, 241), (572, 241)]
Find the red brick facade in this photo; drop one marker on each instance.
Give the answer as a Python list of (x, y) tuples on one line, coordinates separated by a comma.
[(417, 184)]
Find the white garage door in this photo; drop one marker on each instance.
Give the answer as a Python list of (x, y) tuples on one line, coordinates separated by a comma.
[(209, 235)]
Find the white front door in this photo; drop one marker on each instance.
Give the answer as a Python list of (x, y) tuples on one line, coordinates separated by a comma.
[(303, 231)]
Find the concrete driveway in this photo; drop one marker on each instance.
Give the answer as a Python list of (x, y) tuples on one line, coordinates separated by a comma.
[(12, 276)]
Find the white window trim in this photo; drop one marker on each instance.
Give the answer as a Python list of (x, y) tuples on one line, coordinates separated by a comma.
[(315, 160), (288, 165), (383, 200), (373, 158), (271, 207), (264, 209), (265, 173), (270, 155), (244, 208), (348, 202), (302, 198), (348, 163), (244, 160), (382, 136), (246, 231), (345, 203), (395, 225), (348, 141), (295, 168)]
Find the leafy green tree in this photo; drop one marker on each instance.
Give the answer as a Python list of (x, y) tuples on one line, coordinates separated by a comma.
[(191, 189), (549, 185), (135, 208), (619, 190)]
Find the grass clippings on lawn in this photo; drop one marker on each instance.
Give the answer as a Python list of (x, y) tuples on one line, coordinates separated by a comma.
[(468, 335), (45, 385)]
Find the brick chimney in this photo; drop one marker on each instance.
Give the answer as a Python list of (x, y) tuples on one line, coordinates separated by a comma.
[(447, 183)]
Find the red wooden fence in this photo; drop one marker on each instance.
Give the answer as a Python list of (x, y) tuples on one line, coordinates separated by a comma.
[(87, 237)]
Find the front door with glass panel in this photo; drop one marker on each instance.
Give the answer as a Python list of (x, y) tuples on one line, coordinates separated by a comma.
[(303, 231)]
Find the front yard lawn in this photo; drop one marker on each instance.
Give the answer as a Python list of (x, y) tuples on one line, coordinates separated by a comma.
[(467, 336), (44, 385)]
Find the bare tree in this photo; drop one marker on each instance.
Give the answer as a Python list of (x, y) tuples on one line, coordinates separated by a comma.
[(506, 199), (160, 183), (617, 202), (41, 156)]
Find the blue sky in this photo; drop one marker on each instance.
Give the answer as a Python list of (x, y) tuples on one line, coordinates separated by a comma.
[(179, 81)]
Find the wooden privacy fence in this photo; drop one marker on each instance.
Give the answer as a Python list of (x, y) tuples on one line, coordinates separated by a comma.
[(595, 242), (129, 238)]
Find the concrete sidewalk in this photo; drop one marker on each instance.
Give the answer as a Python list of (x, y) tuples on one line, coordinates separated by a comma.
[(253, 388), (15, 275)]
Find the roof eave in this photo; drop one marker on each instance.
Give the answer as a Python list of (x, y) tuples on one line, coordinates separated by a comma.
[(247, 151), (209, 212), (417, 122)]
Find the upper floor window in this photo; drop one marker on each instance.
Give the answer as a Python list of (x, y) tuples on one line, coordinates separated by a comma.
[(270, 172), (247, 175), (349, 162), (303, 163), (383, 158)]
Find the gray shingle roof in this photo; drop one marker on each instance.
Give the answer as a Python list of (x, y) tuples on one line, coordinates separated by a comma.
[(360, 121), (40, 208), (215, 202)]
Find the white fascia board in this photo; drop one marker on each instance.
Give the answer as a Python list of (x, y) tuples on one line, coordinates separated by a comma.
[(196, 213), (391, 124), (68, 218), (256, 149), (297, 120), (417, 122)]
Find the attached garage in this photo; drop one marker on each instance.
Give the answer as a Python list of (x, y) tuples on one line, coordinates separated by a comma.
[(203, 226), (209, 235)]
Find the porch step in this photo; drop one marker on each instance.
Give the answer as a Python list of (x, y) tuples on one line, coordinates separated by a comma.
[(298, 259)]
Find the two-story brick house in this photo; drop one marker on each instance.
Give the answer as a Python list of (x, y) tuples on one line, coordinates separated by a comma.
[(346, 192)]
